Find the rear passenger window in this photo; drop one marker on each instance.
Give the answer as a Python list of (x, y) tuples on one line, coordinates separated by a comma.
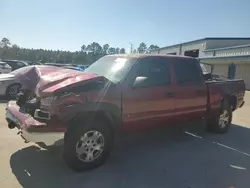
[(152, 72), (187, 71)]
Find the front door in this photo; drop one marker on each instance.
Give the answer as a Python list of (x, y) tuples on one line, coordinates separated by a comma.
[(148, 100)]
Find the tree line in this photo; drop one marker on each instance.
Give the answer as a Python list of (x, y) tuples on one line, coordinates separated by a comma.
[(86, 55)]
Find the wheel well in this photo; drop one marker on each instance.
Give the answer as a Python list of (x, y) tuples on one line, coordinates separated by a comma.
[(12, 85), (15, 84), (108, 117), (232, 99), (233, 102)]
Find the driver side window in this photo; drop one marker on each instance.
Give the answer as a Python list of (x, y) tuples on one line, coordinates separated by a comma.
[(152, 71)]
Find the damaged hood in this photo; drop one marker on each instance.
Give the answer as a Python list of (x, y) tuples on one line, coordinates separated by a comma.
[(44, 80)]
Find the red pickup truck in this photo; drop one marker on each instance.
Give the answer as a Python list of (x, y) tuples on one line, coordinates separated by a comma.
[(120, 93)]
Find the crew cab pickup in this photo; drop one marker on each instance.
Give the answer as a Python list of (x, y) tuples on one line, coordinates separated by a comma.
[(121, 93)]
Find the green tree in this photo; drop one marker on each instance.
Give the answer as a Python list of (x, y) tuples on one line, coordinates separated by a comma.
[(142, 48), (95, 48), (117, 50), (4, 47), (83, 47), (152, 47), (14, 46), (105, 48), (87, 55), (15, 51), (5, 42), (122, 51), (111, 50)]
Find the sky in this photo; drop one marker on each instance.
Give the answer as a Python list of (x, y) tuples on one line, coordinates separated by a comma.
[(68, 24)]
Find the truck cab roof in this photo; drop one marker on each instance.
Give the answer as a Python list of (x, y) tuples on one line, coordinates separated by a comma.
[(151, 55)]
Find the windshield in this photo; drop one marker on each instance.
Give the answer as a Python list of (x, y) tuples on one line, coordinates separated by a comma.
[(113, 68)]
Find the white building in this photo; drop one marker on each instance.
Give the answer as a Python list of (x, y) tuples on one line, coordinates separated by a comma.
[(221, 52)]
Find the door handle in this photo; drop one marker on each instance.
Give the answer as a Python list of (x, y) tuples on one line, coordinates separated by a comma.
[(170, 94)]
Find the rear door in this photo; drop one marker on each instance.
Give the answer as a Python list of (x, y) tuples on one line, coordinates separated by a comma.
[(190, 90), (148, 99)]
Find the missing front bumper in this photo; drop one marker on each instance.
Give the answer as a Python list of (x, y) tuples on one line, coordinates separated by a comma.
[(30, 129)]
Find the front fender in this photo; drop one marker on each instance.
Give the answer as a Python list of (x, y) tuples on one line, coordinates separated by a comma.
[(111, 111)]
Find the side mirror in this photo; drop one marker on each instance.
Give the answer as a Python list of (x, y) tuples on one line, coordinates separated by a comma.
[(207, 68), (140, 81)]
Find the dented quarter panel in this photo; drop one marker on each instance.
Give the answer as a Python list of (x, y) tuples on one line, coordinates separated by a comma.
[(218, 90)]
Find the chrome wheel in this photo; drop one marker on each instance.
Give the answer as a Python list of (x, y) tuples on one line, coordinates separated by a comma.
[(224, 119), (90, 146), (13, 90)]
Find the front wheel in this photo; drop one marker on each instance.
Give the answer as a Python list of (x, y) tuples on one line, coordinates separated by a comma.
[(222, 123), (87, 146), (12, 91)]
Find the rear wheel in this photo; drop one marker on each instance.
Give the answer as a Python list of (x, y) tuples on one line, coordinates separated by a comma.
[(87, 147), (222, 123)]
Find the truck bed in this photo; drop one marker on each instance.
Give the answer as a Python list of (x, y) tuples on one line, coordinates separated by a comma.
[(233, 88)]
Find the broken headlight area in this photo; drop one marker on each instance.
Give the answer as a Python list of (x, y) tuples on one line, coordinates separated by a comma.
[(24, 96), (47, 101), (30, 106), (26, 104)]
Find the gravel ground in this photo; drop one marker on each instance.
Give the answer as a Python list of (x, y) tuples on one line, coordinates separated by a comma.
[(165, 158)]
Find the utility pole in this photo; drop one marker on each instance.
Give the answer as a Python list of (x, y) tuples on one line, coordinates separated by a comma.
[(131, 48)]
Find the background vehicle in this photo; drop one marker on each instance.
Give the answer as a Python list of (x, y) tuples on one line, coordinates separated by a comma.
[(15, 64), (122, 93), (35, 63), (25, 77), (83, 67), (74, 68), (4, 68), (69, 66), (9, 85), (55, 64)]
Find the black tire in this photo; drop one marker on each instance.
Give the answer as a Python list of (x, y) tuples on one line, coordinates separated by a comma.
[(73, 135), (215, 125), (9, 91)]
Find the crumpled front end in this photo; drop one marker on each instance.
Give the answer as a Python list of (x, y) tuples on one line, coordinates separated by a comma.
[(38, 119), (32, 130)]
